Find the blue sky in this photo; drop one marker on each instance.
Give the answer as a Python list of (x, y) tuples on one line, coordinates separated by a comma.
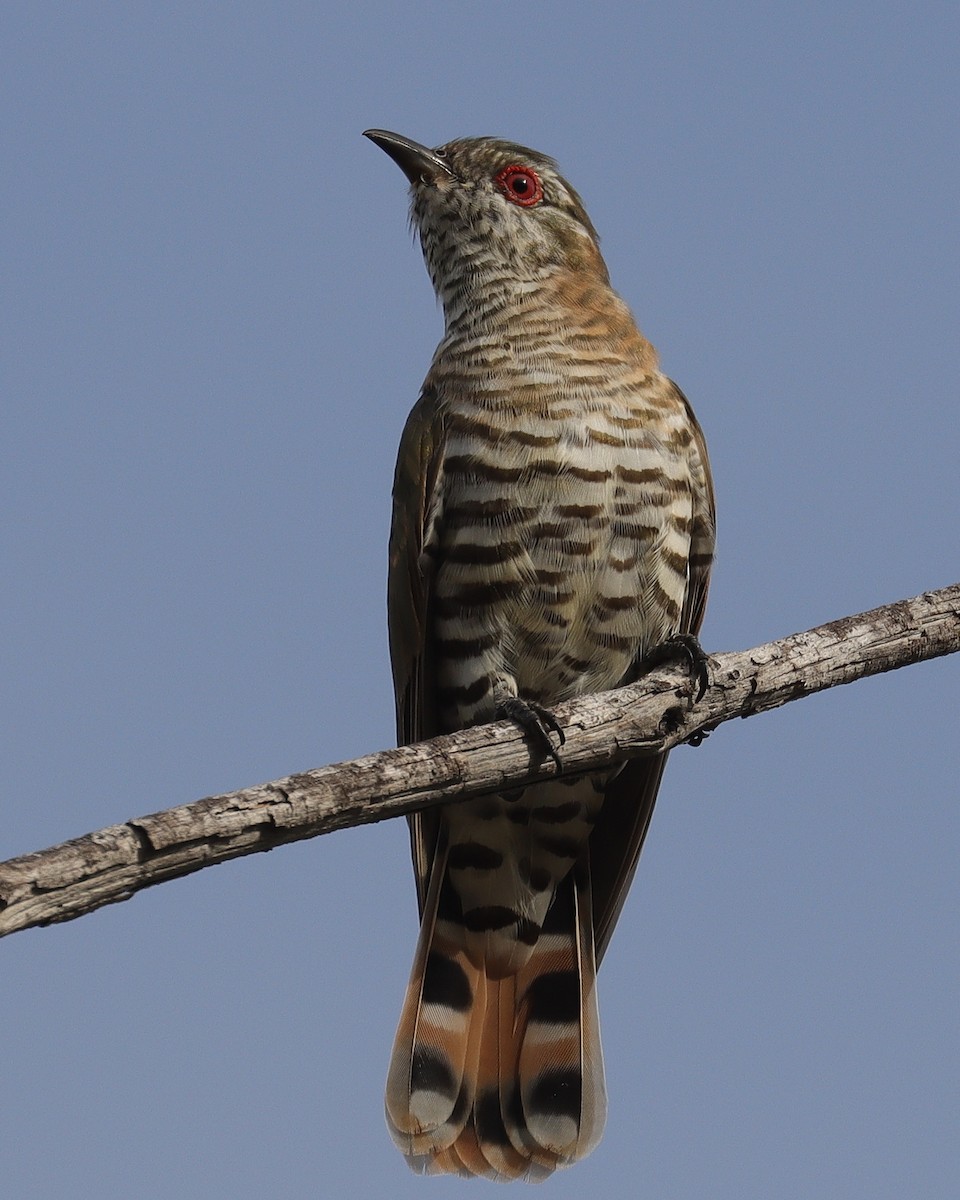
[(213, 325)]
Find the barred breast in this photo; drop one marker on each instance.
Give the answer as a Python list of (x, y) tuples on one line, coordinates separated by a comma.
[(562, 546)]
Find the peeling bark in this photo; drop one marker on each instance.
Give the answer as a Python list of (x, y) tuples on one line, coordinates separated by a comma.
[(655, 714)]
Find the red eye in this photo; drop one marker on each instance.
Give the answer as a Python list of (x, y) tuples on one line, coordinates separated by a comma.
[(521, 185)]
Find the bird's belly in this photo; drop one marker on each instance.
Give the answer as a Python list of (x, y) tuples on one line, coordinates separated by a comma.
[(555, 576)]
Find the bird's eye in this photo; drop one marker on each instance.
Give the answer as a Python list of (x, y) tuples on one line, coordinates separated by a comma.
[(521, 185)]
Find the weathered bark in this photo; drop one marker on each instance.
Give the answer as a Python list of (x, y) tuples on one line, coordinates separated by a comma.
[(78, 876)]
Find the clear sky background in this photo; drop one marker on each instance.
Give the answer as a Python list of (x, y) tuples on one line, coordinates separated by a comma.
[(213, 326)]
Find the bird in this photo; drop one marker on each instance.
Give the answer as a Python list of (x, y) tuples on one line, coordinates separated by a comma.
[(553, 528)]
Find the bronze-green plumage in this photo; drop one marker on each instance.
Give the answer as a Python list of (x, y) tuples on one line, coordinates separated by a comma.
[(553, 524)]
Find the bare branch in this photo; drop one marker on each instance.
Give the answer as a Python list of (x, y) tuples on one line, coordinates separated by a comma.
[(112, 864)]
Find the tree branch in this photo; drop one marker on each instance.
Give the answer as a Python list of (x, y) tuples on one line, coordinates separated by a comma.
[(653, 715)]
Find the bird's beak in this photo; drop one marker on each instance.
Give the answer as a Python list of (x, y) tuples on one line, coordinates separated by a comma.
[(418, 163)]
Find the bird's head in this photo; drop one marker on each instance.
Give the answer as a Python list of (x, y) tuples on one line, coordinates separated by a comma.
[(488, 210)]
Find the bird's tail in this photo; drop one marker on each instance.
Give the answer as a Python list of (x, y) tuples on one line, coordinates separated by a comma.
[(499, 1077)]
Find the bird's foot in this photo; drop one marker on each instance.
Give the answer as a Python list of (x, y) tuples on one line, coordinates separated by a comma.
[(684, 647), (536, 721)]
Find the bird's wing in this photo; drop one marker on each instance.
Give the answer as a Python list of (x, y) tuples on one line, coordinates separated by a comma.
[(703, 534), (617, 839), (416, 515)]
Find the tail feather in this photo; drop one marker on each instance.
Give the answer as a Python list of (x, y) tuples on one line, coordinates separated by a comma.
[(562, 1090), (499, 1077), (426, 1103)]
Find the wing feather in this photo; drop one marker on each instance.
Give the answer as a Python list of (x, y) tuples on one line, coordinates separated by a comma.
[(417, 509)]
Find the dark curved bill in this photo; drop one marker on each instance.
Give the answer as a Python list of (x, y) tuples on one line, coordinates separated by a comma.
[(419, 163)]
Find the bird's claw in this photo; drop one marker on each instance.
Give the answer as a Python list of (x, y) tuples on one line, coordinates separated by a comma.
[(536, 721), (685, 646)]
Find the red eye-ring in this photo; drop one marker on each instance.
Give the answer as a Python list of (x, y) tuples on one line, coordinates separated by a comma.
[(521, 185)]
